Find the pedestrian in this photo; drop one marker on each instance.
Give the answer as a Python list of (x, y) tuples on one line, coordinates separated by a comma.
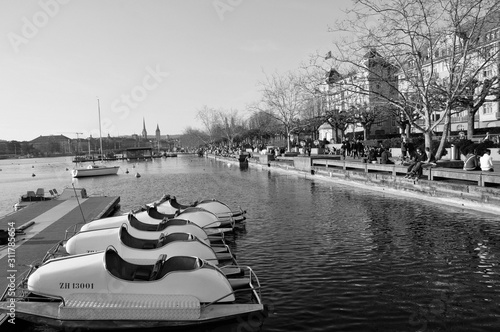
[(384, 157), (404, 147), (471, 162), (486, 161)]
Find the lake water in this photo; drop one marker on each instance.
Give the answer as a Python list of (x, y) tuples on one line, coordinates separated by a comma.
[(330, 257)]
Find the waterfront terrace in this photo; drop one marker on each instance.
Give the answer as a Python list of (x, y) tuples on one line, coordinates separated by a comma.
[(446, 182)]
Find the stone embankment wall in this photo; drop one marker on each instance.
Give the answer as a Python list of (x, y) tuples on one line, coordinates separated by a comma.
[(455, 195)]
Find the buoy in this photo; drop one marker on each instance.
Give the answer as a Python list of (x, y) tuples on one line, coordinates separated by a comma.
[(66, 168), (32, 166), (126, 171), (33, 175), (137, 175)]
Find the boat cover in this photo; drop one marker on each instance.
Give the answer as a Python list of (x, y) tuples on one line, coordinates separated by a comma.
[(130, 307)]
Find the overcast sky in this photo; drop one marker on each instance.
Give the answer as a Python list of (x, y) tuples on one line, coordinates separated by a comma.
[(159, 60)]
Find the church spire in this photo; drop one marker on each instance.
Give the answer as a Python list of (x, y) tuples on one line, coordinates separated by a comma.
[(144, 132)]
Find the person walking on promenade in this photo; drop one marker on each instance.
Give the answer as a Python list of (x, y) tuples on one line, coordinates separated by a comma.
[(486, 161), (348, 146), (343, 149), (361, 149), (471, 162), (404, 147), (355, 149)]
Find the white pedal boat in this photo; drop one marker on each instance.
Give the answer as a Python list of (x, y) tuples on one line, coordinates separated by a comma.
[(149, 215), (146, 251), (103, 291), (168, 204), (152, 232), (200, 217)]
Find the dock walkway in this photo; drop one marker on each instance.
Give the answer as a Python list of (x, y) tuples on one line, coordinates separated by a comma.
[(48, 222)]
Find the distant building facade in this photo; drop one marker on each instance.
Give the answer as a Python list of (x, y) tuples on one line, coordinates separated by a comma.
[(52, 145), (364, 89)]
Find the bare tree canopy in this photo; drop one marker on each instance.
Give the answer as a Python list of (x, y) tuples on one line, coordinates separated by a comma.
[(437, 49), (221, 124), (283, 99)]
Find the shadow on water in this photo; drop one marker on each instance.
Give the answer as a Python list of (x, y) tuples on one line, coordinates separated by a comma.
[(249, 324)]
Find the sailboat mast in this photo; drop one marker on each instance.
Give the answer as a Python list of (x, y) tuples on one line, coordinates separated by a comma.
[(100, 134)]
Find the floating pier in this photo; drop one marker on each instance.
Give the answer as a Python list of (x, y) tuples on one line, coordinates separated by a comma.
[(41, 225)]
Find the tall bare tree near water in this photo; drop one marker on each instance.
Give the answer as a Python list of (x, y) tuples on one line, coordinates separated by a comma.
[(283, 99), (438, 47), (209, 117)]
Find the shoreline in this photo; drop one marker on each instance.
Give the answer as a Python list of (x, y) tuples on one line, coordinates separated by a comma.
[(455, 196)]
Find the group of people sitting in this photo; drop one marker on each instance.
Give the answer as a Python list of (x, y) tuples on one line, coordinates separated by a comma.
[(419, 161), (473, 162)]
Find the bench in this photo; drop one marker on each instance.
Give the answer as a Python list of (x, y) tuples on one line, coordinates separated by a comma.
[(481, 178), (366, 167), (432, 173)]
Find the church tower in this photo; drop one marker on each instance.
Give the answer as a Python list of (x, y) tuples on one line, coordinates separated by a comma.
[(144, 132), (158, 136)]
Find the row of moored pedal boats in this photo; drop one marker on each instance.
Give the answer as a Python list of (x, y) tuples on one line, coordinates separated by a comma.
[(166, 265)]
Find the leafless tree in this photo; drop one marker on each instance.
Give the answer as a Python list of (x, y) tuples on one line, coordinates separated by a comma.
[(210, 119), (366, 116), (437, 48), (283, 99), (194, 138)]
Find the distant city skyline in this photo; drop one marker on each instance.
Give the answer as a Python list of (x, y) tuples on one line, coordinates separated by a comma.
[(81, 136), (162, 60)]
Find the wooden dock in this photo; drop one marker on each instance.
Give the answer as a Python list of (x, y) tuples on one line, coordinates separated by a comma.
[(41, 225)]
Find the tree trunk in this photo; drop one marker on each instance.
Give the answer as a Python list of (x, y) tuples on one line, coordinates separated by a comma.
[(287, 139), (470, 123), (428, 140), (444, 137)]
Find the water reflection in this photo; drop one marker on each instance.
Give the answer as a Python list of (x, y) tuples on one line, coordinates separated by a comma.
[(332, 257)]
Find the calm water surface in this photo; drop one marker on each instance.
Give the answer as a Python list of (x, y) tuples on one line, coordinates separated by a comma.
[(330, 257)]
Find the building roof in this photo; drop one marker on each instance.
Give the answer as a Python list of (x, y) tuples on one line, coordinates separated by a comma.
[(325, 125), (50, 138)]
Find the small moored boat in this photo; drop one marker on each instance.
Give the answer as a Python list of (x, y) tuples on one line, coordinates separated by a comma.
[(103, 291), (146, 251), (94, 170), (169, 204), (148, 222)]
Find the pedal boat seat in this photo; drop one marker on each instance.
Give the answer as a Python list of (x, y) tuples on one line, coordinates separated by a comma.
[(132, 242), (181, 263), (179, 206), (139, 225), (121, 269), (169, 238), (155, 214)]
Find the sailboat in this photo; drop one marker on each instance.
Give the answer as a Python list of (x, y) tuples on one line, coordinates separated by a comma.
[(96, 170)]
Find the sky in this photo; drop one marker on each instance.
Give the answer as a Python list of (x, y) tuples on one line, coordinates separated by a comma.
[(158, 60)]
